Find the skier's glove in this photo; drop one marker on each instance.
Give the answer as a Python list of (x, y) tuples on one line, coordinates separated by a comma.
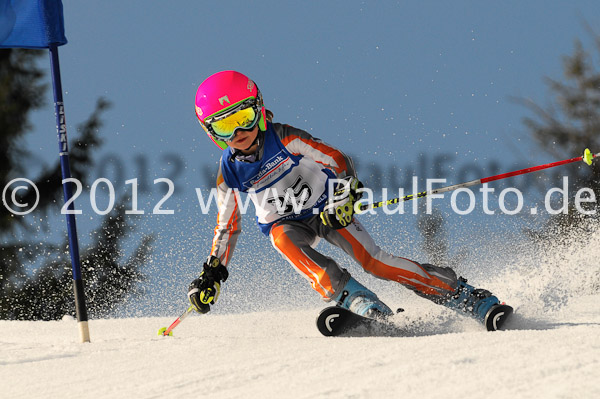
[(205, 290), (339, 210)]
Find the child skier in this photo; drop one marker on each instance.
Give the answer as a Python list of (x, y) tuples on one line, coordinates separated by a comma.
[(288, 173)]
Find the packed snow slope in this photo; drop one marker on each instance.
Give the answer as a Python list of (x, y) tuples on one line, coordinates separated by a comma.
[(551, 349), (282, 355)]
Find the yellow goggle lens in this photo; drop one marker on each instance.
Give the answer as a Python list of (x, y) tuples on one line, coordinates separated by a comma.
[(245, 118)]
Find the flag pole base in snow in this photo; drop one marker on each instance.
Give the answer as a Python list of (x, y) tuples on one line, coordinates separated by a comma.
[(81, 310), (84, 331)]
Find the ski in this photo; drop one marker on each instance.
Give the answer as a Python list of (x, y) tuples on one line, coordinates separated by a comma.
[(336, 321), (496, 316)]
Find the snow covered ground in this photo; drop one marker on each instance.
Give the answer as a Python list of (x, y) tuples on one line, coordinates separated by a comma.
[(282, 355), (551, 350)]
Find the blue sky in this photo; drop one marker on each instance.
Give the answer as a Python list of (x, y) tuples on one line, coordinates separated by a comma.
[(398, 77), (384, 81)]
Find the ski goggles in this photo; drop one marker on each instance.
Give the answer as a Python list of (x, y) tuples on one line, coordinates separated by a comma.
[(243, 117)]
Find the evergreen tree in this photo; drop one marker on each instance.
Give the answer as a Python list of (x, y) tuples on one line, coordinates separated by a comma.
[(47, 293), (109, 276), (570, 124), (435, 239)]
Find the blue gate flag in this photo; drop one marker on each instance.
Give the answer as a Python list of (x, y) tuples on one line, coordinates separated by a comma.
[(31, 23)]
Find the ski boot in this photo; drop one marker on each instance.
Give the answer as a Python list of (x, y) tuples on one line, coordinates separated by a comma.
[(360, 300), (479, 304)]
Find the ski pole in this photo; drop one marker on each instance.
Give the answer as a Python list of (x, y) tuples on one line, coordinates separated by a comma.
[(587, 157), (168, 331)]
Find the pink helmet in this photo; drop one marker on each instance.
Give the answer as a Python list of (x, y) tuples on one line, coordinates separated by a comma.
[(226, 91)]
